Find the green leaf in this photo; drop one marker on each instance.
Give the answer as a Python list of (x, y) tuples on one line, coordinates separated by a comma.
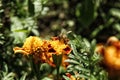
[(93, 45), (117, 27), (97, 30), (31, 8), (74, 48), (84, 61), (115, 12), (9, 76), (66, 78), (72, 61), (69, 66), (87, 12), (46, 78), (23, 77), (21, 30), (87, 44), (83, 76), (71, 56), (79, 68)]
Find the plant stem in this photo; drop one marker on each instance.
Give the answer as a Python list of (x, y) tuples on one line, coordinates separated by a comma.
[(57, 76), (35, 69), (58, 73)]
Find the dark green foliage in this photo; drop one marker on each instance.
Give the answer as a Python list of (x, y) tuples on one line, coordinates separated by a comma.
[(87, 12), (31, 8), (84, 62), (19, 19)]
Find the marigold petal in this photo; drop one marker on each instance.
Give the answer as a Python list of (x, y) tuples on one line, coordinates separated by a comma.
[(20, 50)]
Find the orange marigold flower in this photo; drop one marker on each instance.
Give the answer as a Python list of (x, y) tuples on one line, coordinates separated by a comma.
[(31, 46), (51, 47), (58, 47), (42, 50)]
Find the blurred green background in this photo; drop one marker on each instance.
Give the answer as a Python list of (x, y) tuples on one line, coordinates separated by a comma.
[(92, 19)]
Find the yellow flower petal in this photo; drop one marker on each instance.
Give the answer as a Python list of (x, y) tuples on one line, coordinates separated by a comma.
[(42, 50)]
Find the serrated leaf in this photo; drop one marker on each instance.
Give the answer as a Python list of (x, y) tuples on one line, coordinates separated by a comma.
[(72, 61), (69, 66), (71, 56), (79, 68), (74, 49)]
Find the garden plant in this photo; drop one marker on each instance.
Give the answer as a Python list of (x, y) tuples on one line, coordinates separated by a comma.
[(59, 39)]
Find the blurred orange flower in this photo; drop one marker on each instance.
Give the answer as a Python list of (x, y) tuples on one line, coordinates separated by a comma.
[(42, 50)]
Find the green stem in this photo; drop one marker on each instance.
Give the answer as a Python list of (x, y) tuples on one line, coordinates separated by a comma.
[(57, 59), (35, 69), (37, 72), (57, 73)]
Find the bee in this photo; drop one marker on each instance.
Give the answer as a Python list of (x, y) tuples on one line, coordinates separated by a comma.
[(62, 37)]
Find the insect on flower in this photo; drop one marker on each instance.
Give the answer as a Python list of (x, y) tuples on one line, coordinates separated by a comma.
[(42, 50)]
